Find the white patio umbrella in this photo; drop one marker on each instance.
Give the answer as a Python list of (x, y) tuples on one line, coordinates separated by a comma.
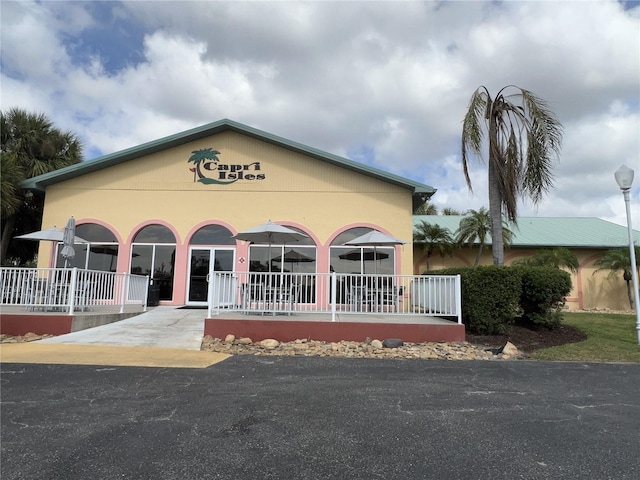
[(51, 234), (374, 239), (54, 235), (270, 233), (68, 252)]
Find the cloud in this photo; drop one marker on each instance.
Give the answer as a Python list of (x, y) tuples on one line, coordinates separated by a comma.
[(386, 83)]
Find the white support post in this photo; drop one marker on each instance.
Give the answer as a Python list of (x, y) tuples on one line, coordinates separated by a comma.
[(146, 293), (125, 291), (72, 289), (459, 298), (334, 284)]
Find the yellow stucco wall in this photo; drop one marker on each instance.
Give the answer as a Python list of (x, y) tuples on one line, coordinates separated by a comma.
[(590, 290), (297, 189)]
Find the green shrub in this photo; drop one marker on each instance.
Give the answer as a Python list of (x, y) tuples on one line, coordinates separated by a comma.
[(544, 290), (490, 297)]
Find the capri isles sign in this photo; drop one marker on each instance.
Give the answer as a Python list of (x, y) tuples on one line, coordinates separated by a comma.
[(208, 169)]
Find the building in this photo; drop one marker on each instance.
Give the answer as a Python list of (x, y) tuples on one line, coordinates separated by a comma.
[(170, 208), (587, 237)]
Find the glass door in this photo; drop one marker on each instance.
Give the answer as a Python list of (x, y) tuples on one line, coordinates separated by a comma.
[(204, 262)]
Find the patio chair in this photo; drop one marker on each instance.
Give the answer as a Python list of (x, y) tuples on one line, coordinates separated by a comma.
[(253, 293)]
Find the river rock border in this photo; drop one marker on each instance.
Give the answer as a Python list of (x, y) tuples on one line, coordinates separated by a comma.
[(367, 349)]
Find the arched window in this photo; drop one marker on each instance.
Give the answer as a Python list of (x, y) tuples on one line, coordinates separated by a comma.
[(297, 256), (360, 259), (101, 253), (153, 253), (213, 235)]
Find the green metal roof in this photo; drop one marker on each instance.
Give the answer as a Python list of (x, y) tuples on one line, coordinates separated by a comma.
[(42, 181), (540, 232)]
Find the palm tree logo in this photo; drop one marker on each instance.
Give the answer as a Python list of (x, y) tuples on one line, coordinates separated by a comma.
[(200, 156)]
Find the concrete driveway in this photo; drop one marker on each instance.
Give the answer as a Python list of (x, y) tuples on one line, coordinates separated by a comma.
[(322, 418)]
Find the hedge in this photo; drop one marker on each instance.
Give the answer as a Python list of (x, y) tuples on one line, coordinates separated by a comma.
[(494, 297)]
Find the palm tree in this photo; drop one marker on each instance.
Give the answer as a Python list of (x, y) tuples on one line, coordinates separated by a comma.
[(433, 239), (451, 211), (616, 260), (556, 257), (523, 133), (427, 209), (30, 145), (10, 177), (476, 227)]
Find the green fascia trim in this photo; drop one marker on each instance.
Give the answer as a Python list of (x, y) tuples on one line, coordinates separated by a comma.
[(42, 181), (550, 232)]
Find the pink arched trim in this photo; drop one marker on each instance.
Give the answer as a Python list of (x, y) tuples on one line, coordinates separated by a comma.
[(180, 260), (324, 258), (108, 226)]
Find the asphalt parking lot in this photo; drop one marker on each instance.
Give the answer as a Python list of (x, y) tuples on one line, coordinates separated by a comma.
[(321, 418)]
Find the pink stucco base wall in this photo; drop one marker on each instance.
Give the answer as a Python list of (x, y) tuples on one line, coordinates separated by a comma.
[(39, 324), (286, 331)]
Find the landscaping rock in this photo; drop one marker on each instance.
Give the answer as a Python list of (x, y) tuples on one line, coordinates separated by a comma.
[(509, 349), (392, 343), (347, 349), (229, 338), (269, 343)]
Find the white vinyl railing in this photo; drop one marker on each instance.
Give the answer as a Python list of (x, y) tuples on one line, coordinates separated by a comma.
[(71, 289), (289, 293)]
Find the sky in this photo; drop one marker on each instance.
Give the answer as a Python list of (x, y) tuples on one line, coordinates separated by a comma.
[(386, 84)]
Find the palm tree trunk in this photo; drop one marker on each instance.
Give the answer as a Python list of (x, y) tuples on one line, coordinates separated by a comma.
[(478, 255), (495, 198), (630, 294), (7, 231)]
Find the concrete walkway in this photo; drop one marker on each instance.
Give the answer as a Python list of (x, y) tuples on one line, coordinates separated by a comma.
[(161, 337), (162, 327)]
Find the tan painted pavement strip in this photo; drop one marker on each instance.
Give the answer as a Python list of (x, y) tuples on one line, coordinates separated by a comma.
[(33, 352)]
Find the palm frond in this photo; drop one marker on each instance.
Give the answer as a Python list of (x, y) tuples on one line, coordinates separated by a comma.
[(472, 133)]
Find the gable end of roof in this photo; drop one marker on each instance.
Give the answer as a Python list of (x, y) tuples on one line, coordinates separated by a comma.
[(42, 181)]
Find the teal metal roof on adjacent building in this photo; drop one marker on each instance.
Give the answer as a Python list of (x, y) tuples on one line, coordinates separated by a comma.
[(541, 232), (42, 181)]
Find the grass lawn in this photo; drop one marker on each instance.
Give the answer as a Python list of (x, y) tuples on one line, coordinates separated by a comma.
[(611, 338)]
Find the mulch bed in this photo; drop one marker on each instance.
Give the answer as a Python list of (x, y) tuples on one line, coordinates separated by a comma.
[(527, 340)]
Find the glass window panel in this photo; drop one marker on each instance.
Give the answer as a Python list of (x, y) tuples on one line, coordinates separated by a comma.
[(103, 257), (259, 258), (155, 234), (297, 260), (223, 261), (198, 285), (367, 260), (79, 260), (93, 232), (142, 259), (213, 235), (163, 267)]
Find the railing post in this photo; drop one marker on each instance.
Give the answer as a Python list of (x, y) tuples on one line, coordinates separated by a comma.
[(459, 298), (125, 291), (210, 295), (72, 290), (146, 293), (334, 285)]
